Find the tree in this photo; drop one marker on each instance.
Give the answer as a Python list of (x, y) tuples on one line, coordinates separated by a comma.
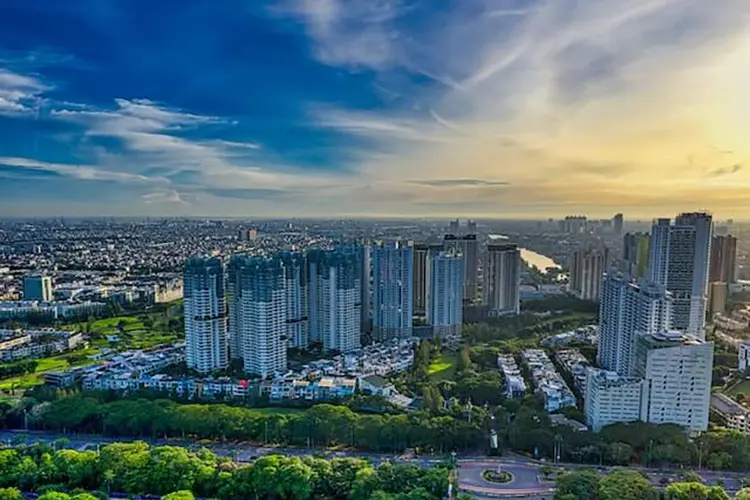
[(54, 495), (10, 494), (583, 484), (717, 493), (691, 477), (686, 491), (743, 494), (464, 360), (179, 495), (625, 485)]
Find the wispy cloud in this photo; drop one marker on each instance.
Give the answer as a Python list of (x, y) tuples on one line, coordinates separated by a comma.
[(19, 93), (459, 182), (81, 172)]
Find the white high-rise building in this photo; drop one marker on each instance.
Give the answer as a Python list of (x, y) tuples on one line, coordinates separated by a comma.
[(502, 279), (611, 398), (587, 266), (297, 305), (743, 357), (205, 315), (445, 293), (680, 259), (392, 282), (259, 307), (677, 372), (468, 246), (334, 294), (628, 309)]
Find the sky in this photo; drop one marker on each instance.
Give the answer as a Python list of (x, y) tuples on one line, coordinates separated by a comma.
[(425, 108)]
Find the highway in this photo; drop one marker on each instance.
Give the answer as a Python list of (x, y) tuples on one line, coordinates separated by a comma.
[(527, 480)]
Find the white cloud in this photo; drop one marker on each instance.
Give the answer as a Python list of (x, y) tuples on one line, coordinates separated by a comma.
[(81, 172), (19, 93)]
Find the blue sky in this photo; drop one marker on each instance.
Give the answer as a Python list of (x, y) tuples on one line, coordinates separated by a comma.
[(373, 107)]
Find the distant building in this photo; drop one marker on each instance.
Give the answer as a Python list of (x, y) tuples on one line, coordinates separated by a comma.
[(334, 295), (468, 246), (611, 398), (502, 279), (723, 259), (445, 293), (677, 371), (617, 222), (37, 288), (743, 357), (392, 278), (734, 415), (717, 298), (205, 315), (635, 254), (628, 309), (574, 224), (419, 287), (587, 266), (297, 304)]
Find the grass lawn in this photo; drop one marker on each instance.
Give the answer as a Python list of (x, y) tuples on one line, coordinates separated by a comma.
[(743, 387), (50, 364), (443, 368)]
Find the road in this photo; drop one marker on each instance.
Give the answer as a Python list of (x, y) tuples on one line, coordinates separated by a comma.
[(526, 474)]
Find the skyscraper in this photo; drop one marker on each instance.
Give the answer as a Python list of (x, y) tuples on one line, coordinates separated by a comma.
[(365, 277), (453, 227), (635, 254), (587, 266), (471, 227), (392, 278), (296, 279), (205, 315), (617, 222), (445, 291), (37, 288), (723, 259), (419, 287), (258, 312), (502, 279), (679, 259), (628, 309), (677, 370), (334, 293), (468, 247)]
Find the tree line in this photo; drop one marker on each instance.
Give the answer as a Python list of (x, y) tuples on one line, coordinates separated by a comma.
[(624, 484), (138, 469), (16, 368)]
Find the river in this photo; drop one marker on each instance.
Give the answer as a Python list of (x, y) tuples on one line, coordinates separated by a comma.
[(530, 257)]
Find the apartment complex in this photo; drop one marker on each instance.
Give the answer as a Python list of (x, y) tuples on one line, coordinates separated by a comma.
[(587, 266), (445, 292), (392, 277), (502, 279), (205, 315), (611, 398)]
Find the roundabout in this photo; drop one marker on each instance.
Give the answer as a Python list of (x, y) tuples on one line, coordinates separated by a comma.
[(495, 479)]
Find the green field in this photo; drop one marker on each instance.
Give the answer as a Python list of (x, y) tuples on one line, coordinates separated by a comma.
[(443, 368), (54, 363), (743, 387)]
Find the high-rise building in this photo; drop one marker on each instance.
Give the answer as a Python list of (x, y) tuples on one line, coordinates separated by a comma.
[(723, 259), (258, 311), (205, 315), (679, 259), (454, 227), (419, 287), (37, 288), (677, 371), (233, 295), (717, 297), (743, 357), (392, 278), (334, 293), (611, 398), (365, 280), (617, 222), (468, 247), (628, 309), (587, 266), (471, 227), (575, 224), (297, 307), (445, 290), (502, 279), (635, 254)]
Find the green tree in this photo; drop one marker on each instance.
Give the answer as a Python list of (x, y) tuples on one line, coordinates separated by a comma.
[(464, 360), (691, 477), (625, 485), (583, 484), (717, 493), (179, 495), (54, 495), (743, 494), (10, 494), (686, 491)]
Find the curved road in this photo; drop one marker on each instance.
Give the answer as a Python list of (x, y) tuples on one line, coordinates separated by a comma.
[(526, 479)]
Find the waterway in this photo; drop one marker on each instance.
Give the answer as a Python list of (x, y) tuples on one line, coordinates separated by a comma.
[(530, 257)]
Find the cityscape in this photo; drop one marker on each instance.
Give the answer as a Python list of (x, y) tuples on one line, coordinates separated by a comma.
[(473, 321), (374, 250)]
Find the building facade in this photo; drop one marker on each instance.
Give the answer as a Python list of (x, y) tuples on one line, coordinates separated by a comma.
[(296, 278), (334, 293), (635, 254), (677, 372), (628, 309), (37, 288), (468, 246), (743, 356), (723, 259), (205, 315), (445, 294), (587, 266), (611, 398), (419, 287), (502, 279), (392, 278)]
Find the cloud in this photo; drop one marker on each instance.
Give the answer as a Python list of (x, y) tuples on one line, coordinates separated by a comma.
[(164, 196), (81, 172), (725, 170), (459, 182), (19, 93)]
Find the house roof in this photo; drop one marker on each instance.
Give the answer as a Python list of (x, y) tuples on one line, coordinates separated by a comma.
[(377, 381)]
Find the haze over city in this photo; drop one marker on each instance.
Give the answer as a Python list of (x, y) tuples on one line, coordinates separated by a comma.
[(395, 108)]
